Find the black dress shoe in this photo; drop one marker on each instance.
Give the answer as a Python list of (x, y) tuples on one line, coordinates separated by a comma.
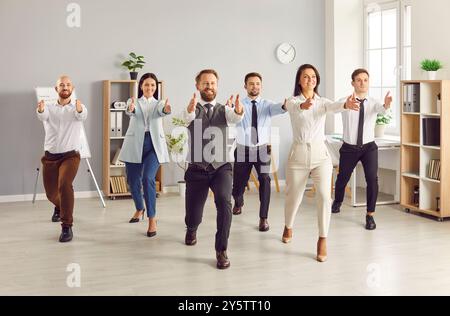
[(66, 234), (336, 207), (191, 238), (151, 234), (136, 219), (263, 225), (222, 260), (56, 217), (370, 223), (237, 210)]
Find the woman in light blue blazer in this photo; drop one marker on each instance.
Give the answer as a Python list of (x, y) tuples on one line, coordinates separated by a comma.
[(145, 148)]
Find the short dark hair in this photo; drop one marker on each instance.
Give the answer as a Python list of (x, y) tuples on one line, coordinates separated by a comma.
[(206, 71), (358, 72), (298, 88), (141, 82), (251, 75)]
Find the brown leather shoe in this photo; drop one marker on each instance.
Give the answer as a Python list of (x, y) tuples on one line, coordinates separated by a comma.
[(263, 225), (322, 250), (287, 235), (222, 260), (237, 210), (191, 238)]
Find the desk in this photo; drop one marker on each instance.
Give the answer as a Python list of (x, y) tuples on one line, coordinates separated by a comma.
[(388, 168)]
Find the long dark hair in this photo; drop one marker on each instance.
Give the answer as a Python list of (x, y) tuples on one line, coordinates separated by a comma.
[(145, 77), (298, 88)]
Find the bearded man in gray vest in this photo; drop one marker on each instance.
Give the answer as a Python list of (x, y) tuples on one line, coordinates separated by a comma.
[(209, 166)]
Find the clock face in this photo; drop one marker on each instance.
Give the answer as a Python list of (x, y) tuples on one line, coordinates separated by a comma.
[(285, 53)]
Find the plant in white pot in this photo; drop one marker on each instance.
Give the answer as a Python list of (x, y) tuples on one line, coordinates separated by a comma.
[(177, 146), (382, 121), (431, 66)]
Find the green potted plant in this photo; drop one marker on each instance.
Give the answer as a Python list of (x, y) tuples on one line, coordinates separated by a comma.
[(177, 147), (132, 63), (382, 121), (431, 66)]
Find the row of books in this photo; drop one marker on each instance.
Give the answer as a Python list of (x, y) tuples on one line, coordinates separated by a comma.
[(411, 98), (118, 184), (434, 169)]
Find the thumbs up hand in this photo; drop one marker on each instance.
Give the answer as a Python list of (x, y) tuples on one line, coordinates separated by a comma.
[(388, 100), (238, 106), (192, 104), (78, 106), (167, 108), (352, 103), (41, 106), (131, 105), (307, 104)]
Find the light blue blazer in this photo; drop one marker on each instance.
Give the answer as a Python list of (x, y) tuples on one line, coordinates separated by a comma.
[(134, 138)]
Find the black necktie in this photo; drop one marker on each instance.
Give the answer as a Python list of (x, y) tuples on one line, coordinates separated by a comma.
[(209, 110), (359, 142), (254, 133)]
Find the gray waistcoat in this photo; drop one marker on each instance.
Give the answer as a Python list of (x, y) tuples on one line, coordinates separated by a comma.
[(208, 138)]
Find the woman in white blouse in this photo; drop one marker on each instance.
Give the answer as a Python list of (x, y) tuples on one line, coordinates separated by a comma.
[(309, 154)]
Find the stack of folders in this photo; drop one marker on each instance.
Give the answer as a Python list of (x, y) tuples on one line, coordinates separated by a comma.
[(116, 124), (411, 98), (434, 169), (118, 184)]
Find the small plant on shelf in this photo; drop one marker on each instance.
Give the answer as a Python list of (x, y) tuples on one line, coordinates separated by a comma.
[(133, 63)]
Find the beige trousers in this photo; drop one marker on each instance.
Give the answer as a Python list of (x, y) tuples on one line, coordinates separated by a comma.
[(305, 160)]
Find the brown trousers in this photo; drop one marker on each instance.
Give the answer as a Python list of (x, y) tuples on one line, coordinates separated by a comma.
[(59, 171)]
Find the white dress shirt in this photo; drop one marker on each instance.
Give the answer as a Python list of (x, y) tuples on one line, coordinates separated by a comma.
[(308, 126), (62, 125), (350, 121), (265, 109), (146, 110), (231, 116)]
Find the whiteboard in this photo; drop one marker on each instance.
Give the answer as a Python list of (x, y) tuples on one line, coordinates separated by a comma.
[(49, 95)]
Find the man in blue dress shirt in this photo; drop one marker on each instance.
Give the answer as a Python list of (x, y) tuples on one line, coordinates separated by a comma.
[(253, 148)]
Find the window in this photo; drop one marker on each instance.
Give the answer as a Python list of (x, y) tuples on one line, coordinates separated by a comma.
[(388, 51)]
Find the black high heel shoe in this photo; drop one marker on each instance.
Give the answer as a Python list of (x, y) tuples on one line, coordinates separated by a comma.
[(136, 219), (152, 234)]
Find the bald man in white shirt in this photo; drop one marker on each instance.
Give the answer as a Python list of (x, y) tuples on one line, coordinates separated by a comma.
[(62, 123), (359, 144)]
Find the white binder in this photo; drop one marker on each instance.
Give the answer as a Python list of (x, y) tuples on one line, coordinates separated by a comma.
[(113, 129), (119, 124)]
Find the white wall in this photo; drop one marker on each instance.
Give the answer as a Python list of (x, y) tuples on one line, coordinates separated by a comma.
[(178, 38), (344, 50), (430, 35)]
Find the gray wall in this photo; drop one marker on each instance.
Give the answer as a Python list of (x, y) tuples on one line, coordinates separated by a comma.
[(178, 38)]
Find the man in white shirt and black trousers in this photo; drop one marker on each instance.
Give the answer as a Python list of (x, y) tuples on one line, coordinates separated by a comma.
[(359, 144), (62, 123)]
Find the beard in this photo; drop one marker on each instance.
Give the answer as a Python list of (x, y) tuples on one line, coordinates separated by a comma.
[(65, 94), (208, 95), (253, 93)]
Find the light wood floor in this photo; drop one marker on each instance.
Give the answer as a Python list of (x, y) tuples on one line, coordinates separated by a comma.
[(406, 255)]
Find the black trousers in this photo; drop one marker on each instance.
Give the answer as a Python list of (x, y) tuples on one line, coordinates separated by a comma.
[(245, 158), (198, 183), (350, 155)]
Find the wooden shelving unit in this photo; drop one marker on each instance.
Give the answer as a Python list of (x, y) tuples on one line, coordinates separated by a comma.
[(118, 90), (415, 156)]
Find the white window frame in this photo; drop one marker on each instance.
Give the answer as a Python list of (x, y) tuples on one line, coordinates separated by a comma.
[(400, 5)]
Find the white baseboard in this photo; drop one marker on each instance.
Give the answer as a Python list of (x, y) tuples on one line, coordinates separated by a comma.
[(42, 196), (93, 194)]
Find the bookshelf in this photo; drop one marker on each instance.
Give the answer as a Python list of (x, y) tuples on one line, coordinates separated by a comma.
[(114, 175), (425, 147)]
